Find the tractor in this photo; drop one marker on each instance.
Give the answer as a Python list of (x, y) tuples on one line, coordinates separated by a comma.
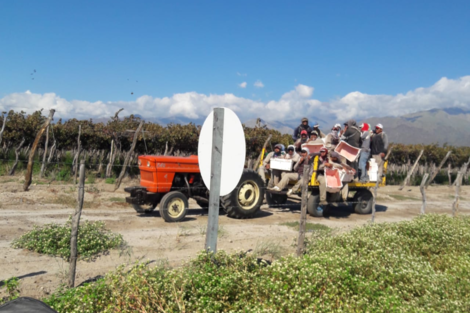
[(361, 199), (169, 182)]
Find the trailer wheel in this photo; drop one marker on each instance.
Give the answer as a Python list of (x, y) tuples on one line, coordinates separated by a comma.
[(275, 200), (246, 199), (363, 201), (174, 206), (147, 209), (313, 205)]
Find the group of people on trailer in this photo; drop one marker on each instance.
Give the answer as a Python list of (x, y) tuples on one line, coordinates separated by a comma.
[(372, 144)]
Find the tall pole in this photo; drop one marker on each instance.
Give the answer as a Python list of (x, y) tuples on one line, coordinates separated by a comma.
[(303, 211), (75, 225), (216, 171)]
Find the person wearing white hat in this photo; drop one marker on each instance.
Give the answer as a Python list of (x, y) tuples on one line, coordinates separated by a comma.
[(332, 139), (378, 147), (296, 175)]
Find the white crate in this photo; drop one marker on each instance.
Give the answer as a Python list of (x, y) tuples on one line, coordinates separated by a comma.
[(333, 180), (281, 164), (346, 176), (313, 147)]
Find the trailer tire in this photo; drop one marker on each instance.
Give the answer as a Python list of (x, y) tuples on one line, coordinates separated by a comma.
[(173, 207), (363, 201), (313, 205), (246, 199)]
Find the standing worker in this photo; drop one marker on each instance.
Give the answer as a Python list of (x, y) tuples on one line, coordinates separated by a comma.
[(300, 128), (365, 152), (378, 148)]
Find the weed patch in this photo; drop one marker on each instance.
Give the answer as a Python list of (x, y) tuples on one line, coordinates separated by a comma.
[(54, 239), (110, 180), (117, 199), (414, 266), (401, 197)]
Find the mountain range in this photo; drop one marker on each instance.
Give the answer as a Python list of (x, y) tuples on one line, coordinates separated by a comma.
[(441, 126)]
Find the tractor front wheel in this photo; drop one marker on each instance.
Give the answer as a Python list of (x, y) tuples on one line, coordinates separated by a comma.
[(246, 199), (174, 206)]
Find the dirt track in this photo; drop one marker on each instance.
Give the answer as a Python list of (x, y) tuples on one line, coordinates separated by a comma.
[(152, 239)]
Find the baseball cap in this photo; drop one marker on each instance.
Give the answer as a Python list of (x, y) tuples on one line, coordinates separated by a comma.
[(304, 119), (379, 126), (323, 149), (305, 150), (304, 132)]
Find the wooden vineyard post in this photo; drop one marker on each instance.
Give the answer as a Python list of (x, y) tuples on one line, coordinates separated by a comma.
[(128, 156), (216, 173), (29, 169), (4, 122), (78, 154), (303, 211), (423, 192), (75, 225), (455, 205), (258, 160), (407, 179), (449, 174), (17, 155), (434, 174), (43, 166)]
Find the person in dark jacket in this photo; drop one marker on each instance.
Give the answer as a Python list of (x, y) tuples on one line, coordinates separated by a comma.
[(352, 134), (303, 126), (378, 147)]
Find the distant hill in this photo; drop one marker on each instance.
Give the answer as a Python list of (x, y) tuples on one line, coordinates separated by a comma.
[(440, 126)]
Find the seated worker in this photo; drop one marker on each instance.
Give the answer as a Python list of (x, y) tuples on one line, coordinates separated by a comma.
[(332, 139), (332, 162), (291, 154), (275, 174), (303, 139), (300, 128), (314, 137), (296, 175)]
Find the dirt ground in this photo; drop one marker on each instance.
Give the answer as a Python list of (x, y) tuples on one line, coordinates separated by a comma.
[(150, 238)]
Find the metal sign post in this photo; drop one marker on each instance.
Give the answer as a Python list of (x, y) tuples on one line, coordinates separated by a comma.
[(216, 171)]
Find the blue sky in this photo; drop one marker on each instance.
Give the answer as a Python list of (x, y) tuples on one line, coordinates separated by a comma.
[(104, 50)]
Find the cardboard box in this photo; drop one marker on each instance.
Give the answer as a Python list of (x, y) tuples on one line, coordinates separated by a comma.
[(313, 147), (333, 180), (347, 151), (281, 164)]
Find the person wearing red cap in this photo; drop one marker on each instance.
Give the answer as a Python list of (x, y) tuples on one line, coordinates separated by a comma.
[(331, 161), (378, 147), (365, 152), (303, 139)]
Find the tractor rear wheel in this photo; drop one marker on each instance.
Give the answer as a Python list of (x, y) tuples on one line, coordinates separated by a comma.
[(363, 201), (246, 199), (174, 206)]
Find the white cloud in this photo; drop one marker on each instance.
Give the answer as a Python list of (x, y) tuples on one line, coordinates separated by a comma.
[(240, 74), (259, 84), (443, 94), (293, 104), (242, 85)]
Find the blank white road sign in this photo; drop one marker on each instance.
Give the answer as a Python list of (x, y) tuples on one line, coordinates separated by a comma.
[(233, 151)]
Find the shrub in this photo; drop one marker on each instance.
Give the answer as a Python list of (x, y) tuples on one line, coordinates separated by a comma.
[(419, 266), (110, 180), (12, 288), (54, 239)]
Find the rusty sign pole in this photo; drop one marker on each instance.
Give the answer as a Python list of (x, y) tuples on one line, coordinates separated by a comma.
[(216, 171)]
